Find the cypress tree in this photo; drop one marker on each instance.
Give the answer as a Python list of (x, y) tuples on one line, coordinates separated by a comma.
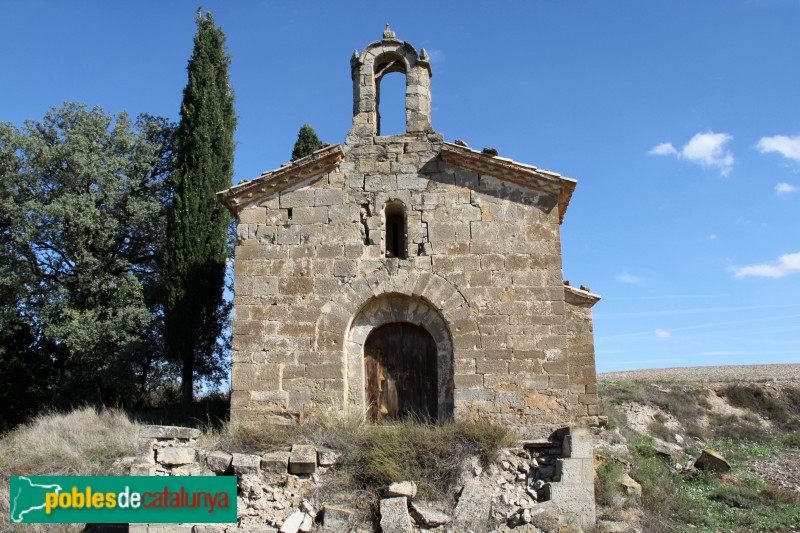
[(195, 311), (307, 143)]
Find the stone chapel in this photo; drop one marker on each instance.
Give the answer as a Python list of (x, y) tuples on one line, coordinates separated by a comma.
[(407, 276)]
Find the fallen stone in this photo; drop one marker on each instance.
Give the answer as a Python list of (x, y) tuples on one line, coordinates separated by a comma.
[(307, 525), (712, 461), (250, 486), (335, 519), (211, 528), (219, 461), (245, 463), (630, 487), (472, 510), (666, 450), (403, 488), (394, 515), (545, 521), (168, 432), (174, 455), (428, 516), (275, 462), (143, 469), (327, 457), (293, 523), (307, 508), (303, 459)]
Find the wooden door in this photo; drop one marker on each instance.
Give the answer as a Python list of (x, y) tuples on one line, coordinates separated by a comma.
[(400, 362)]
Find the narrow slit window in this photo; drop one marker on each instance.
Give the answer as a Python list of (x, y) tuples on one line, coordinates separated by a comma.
[(395, 231)]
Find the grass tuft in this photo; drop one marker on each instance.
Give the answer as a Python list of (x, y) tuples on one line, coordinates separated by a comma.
[(84, 442)]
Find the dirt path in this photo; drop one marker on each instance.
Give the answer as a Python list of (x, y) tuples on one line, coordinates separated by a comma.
[(714, 374)]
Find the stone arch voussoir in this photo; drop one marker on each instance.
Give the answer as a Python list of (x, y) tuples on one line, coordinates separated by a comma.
[(396, 294)]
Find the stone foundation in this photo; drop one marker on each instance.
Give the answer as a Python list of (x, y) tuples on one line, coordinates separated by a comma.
[(546, 482)]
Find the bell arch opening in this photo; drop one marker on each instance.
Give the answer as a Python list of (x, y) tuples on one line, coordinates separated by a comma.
[(393, 90), (380, 342), (390, 104)]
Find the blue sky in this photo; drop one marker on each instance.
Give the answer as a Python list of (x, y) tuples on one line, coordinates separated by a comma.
[(680, 121)]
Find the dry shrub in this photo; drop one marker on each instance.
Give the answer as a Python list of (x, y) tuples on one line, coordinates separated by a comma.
[(84, 442), (255, 436), (778, 496), (607, 482), (618, 392), (738, 429), (431, 455), (757, 400), (657, 429)]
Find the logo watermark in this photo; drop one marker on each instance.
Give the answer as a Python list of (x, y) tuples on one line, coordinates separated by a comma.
[(119, 499)]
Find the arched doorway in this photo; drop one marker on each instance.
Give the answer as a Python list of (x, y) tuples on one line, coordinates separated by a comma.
[(400, 360)]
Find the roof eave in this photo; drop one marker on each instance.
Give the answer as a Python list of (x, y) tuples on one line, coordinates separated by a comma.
[(580, 296), (560, 187), (274, 181)]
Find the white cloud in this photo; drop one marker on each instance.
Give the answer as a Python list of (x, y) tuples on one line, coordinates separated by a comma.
[(707, 149), (785, 265), (788, 147), (630, 279), (785, 188), (663, 149), (712, 237), (662, 334)]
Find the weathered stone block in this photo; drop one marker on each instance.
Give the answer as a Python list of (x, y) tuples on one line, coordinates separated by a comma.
[(327, 457), (327, 197), (472, 510), (174, 455), (244, 463), (143, 469), (407, 489), (168, 432), (394, 516), (336, 519), (299, 198), (303, 459), (219, 461)]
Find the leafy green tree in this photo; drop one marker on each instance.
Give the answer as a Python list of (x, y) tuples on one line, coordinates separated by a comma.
[(83, 198), (197, 230), (307, 143)]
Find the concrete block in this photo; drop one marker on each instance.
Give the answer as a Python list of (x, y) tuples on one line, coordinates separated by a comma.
[(580, 444)]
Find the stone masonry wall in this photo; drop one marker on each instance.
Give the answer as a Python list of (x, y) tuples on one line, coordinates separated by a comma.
[(482, 253), (580, 329)]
